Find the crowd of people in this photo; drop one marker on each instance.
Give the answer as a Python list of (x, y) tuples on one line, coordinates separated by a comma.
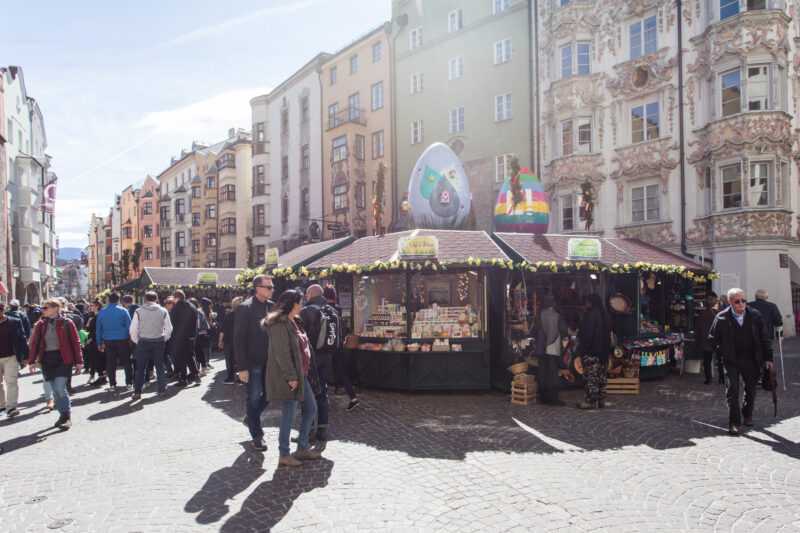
[(286, 352)]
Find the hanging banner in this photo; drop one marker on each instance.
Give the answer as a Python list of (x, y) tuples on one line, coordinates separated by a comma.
[(49, 199), (582, 248), (207, 278), (419, 247)]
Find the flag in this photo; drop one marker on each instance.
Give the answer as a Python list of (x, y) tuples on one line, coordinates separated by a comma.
[(49, 199)]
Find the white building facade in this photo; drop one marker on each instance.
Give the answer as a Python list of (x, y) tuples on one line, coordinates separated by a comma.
[(719, 179)]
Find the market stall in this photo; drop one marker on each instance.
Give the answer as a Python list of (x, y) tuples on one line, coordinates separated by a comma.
[(417, 306), (648, 294), (217, 284)]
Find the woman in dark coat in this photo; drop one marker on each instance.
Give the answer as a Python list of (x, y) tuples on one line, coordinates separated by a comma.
[(594, 345), (95, 359), (286, 381)]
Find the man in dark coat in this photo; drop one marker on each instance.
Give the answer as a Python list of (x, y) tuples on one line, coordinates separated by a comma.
[(184, 333), (769, 311), (739, 336), (251, 343)]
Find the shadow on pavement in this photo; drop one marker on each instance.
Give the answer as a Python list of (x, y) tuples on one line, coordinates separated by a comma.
[(225, 484), (23, 441)]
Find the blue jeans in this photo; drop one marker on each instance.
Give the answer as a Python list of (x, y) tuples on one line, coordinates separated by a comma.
[(61, 395), (146, 351), (48, 390), (256, 401), (324, 363), (288, 408)]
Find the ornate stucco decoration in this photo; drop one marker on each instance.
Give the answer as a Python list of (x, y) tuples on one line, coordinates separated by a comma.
[(741, 225), (642, 160), (658, 234), (567, 97), (574, 170), (642, 75), (576, 17)]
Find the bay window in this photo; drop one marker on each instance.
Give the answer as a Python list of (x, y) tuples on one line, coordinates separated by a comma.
[(576, 59), (752, 88), (731, 186), (576, 136), (761, 183)]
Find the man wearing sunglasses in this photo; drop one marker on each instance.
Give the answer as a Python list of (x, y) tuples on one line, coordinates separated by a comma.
[(739, 336), (250, 350)]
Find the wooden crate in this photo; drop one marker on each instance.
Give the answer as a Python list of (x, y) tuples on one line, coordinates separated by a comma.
[(523, 393), (623, 386)]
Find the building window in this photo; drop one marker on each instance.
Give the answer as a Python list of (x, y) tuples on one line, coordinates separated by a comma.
[(333, 75), (340, 197), (645, 122), (180, 243), (576, 136), (757, 87), (164, 213), (305, 203), (339, 150), (165, 244), (416, 83), (127, 233), (304, 111), (260, 180), (567, 138), (498, 6), (228, 193), (305, 157), (196, 246), (285, 167), (731, 186), (195, 219), (502, 51), (583, 59), (228, 226), (377, 144), (644, 203), (455, 68), (502, 167), (354, 64), (196, 193), (416, 132), (148, 254), (261, 254), (643, 36), (260, 133), (731, 92), (211, 182), (211, 211), (377, 96), (285, 208), (455, 21), (147, 209), (360, 147), (576, 58), (567, 212), (333, 115), (377, 52), (259, 215), (211, 240), (728, 8), (502, 107), (456, 120), (415, 38), (147, 232), (361, 195), (353, 107), (760, 184)]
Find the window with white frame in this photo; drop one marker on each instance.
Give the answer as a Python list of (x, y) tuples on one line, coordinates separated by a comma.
[(416, 83), (360, 147), (339, 149), (377, 52), (333, 73), (564, 3), (576, 59), (643, 36), (731, 186), (567, 137), (757, 87), (416, 132), (415, 38), (752, 88), (455, 68), (728, 8), (566, 211), (645, 203), (502, 107), (456, 123), (340, 197), (502, 51), (499, 6), (377, 96), (455, 21), (761, 183), (377, 145), (576, 136), (354, 64), (502, 167), (731, 85), (645, 122)]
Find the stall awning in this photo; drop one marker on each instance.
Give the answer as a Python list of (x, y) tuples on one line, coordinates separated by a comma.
[(308, 253), (535, 248), (455, 247), (131, 285), (185, 277)]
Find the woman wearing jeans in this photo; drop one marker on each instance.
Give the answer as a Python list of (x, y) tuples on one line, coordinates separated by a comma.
[(55, 347), (287, 375)]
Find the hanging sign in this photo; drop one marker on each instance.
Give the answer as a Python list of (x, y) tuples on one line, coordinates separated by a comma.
[(271, 256), (581, 248), (419, 247), (207, 278)]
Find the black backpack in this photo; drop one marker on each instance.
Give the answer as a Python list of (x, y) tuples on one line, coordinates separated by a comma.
[(329, 338)]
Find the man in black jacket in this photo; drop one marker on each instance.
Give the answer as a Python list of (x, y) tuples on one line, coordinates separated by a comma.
[(739, 336), (768, 310), (184, 333), (251, 343)]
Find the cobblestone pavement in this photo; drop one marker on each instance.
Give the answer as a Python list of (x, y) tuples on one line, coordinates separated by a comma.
[(660, 461)]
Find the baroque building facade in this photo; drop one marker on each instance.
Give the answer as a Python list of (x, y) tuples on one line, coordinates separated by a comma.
[(678, 120)]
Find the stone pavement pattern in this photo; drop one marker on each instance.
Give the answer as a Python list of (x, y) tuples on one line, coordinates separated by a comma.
[(660, 461)]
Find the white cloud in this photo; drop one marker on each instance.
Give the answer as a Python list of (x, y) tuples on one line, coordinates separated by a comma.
[(222, 27), (72, 219)]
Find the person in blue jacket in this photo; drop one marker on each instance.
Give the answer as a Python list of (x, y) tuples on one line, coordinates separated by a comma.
[(113, 338)]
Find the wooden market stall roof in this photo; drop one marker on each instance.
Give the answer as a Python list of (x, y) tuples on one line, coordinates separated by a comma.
[(308, 253), (534, 248), (455, 247), (184, 277)]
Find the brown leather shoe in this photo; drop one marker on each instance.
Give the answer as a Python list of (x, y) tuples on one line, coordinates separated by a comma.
[(307, 454), (288, 460)]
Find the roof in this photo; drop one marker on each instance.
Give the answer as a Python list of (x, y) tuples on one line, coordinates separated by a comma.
[(454, 247), (288, 82), (308, 253), (384, 26), (533, 248), (186, 276)]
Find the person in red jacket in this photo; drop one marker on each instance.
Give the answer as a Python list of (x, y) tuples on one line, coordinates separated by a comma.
[(56, 347)]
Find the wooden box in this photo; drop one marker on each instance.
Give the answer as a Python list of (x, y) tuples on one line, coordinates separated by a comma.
[(523, 393), (623, 386)]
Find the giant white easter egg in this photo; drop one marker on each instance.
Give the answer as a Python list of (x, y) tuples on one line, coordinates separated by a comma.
[(438, 190)]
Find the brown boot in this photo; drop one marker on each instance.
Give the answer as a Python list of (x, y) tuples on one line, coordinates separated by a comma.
[(307, 454), (288, 460)]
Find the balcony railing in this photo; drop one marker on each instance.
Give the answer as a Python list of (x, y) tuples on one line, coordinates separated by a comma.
[(353, 115), (259, 230)]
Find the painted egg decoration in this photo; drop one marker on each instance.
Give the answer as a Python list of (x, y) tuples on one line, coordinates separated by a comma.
[(438, 191), (531, 211)]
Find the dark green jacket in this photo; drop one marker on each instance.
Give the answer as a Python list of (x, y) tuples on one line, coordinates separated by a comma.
[(283, 363)]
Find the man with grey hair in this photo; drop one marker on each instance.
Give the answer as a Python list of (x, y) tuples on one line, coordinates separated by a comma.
[(770, 312), (739, 336)]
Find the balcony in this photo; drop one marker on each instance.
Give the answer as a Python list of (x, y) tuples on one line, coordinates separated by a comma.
[(348, 115), (759, 132), (741, 225), (574, 170)]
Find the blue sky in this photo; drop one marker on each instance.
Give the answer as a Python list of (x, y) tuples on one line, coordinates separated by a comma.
[(123, 86)]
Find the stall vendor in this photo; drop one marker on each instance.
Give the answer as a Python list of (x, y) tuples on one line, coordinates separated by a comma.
[(550, 327)]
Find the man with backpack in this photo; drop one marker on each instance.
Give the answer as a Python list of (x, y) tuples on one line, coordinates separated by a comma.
[(324, 329)]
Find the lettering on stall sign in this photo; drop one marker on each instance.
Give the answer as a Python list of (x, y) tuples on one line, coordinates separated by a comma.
[(584, 249), (419, 247), (207, 278), (271, 256)]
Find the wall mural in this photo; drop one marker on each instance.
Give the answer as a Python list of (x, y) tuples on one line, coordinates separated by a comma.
[(438, 192)]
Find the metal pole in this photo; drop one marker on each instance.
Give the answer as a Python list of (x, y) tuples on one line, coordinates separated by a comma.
[(780, 352)]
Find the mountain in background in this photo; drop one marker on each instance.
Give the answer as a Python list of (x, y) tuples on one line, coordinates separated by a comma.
[(69, 254)]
